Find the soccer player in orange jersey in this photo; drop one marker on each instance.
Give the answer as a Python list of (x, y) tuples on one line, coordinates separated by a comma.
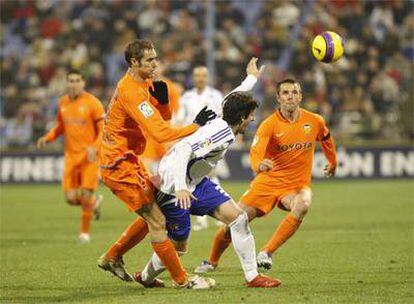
[(140, 106), (79, 119), (281, 155)]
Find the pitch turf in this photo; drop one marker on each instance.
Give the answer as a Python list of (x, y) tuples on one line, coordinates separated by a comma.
[(355, 246)]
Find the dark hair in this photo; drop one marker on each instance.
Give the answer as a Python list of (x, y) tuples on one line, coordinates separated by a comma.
[(287, 80), (238, 106), (74, 72), (136, 48)]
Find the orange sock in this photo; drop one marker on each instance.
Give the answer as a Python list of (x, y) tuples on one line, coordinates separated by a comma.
[(86, 221), (284, 231), (169, 257), (87, 212), (221, 242), (134, 234)]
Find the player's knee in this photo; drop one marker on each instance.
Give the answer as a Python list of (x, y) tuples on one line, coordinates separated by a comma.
[(86, 194), (241, 222), (302, 205), (71, 198), (181, 247), (72, 202), (154, 218), (231, 216)]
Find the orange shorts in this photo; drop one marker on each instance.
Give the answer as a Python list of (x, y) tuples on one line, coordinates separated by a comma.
[(83, 175), (130, 182), (265, 195)]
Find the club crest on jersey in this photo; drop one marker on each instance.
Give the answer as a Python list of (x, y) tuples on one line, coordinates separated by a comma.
[(205, 143), (307, 128), (145, 109)]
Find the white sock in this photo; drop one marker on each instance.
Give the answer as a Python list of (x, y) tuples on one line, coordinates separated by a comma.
[(243, 243), (153, 269)]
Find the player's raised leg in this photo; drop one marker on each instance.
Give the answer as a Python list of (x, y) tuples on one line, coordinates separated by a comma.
[(221, 241), (112, 259), (298, 204), (243, 242)]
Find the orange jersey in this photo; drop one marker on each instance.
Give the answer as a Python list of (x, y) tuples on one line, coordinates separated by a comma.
[(154, 150), (77, 121), (290, 145), (131, 113)]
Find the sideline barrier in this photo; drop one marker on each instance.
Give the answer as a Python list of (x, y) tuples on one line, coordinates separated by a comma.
[(354, 163)]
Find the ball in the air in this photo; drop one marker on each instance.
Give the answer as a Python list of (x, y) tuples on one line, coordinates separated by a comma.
[(328, 47)]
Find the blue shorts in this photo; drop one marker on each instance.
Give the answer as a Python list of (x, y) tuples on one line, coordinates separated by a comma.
[(209, 196)]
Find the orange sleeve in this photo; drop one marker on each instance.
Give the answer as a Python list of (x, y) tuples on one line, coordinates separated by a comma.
[(151, 121), (57, 130), (259, 145), (98, 114), (327, 143)]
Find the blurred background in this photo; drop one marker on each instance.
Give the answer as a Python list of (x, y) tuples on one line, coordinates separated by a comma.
[(366, 97), (365, 226)]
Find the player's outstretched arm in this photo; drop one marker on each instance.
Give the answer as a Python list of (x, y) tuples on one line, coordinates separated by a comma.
[(253, 73), (150, 120)]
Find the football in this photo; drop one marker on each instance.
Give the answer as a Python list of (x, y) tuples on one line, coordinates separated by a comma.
[(328, 47)]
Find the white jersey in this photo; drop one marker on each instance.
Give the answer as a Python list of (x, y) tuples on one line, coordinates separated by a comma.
[(192, 102), (195, 156)]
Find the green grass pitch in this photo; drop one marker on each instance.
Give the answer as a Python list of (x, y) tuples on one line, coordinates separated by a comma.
[(355, 246)]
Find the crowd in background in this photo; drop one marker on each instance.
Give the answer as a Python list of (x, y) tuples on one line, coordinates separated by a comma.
[(366, 95)]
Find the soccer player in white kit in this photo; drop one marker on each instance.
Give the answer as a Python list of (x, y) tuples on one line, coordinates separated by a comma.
[(186, 189), (191, 102)]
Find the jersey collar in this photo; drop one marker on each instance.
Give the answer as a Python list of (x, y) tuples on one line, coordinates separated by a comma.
[(281, 117)]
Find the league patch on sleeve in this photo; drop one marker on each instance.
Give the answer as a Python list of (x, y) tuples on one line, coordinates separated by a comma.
[(255, 141), (145, 109)]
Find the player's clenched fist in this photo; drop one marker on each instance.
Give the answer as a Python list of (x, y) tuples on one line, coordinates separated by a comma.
[(265, 165)]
